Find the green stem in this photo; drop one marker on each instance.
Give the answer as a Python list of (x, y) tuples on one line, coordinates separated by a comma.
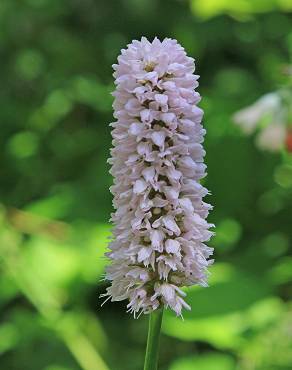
[(152, 349)]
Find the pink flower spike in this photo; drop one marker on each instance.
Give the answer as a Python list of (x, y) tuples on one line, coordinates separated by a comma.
[(160, 228)]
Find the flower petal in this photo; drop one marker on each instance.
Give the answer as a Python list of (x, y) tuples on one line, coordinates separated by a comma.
[(172, 246), (158, 138), (139, 186), (170, 224)]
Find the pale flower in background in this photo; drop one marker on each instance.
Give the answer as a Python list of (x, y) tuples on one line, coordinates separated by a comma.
[(269, 115), (248, 118), (272, 137)]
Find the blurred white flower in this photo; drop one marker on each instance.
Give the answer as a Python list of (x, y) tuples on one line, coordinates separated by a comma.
[(269, 115), (272, 137), (268, 105)]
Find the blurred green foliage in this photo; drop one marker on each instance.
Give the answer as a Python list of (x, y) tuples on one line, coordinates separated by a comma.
[(55, 110)]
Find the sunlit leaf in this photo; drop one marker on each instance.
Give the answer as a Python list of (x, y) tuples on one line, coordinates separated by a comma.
[(217, 311), (208, 361), (55, 206), (281, 273), (23, 144), (235, 294), (228, 233), (239, 9), (8, 337)]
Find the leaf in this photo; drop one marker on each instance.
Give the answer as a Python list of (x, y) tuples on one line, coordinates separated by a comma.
[(222, 331), (8, 337), (208, 361), (239, 9), (55, 206), (219, 313), (237, 293), (225, 297)]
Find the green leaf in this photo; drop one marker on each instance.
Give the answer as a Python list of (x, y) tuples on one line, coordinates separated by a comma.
[(217, 314), (239, 9), (8, 337), (237, 293), (209, 361), (55, 206)]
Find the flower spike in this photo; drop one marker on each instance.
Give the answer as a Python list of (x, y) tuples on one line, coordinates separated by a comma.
[(160, 226)]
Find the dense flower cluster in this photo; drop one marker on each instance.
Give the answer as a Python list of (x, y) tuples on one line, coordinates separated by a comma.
[(157, 162)]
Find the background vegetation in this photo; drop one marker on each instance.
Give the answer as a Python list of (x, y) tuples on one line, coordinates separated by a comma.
[(55, 110)]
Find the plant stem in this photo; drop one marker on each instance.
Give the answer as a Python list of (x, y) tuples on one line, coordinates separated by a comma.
[(152, 349)]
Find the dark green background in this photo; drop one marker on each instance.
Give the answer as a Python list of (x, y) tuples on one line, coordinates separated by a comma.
[(55, 110)]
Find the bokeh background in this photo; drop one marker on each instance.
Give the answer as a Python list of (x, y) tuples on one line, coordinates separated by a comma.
[(55, 110)]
